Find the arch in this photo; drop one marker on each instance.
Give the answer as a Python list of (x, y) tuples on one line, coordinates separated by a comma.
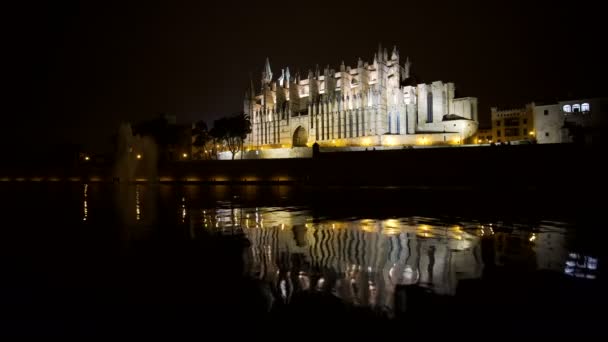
[(576, 108), (567, 108), (300, 137), (585, 107)]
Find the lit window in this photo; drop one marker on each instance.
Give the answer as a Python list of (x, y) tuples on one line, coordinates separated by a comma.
[(585, 107), (576, 108), (567, 109)]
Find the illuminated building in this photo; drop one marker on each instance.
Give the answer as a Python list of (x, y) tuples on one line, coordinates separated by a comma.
[(512, 124), (568, 121), (483, 136), (377, 104)]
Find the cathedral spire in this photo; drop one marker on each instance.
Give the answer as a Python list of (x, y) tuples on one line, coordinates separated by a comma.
[(406, 68), (287, 75), (395, 54), (251, 87), (267, 73)]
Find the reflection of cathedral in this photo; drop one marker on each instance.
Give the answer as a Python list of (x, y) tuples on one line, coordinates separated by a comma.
[(367, 105), (359, 261)]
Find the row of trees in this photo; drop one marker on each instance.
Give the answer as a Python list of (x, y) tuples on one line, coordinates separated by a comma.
[(227, 131)]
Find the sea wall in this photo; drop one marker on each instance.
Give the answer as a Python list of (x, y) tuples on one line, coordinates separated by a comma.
[(494, 167)]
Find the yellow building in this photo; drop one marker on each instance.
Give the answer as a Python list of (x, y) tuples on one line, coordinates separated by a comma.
[(513, 124), (483, 136)]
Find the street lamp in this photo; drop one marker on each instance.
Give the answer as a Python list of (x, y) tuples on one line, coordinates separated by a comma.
[(138, 156)]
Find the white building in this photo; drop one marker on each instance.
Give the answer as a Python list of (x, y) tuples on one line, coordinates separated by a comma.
[(377, 104), (568, 121)]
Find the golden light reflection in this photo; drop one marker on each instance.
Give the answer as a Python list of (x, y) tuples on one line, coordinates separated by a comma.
[(391, 231), (533, 237)]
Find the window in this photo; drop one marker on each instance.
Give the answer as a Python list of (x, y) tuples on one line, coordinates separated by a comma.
[(525, 121), (511, 132), (576, 108), (585, 107), (546, 112), (546, 134), (429, 107), (511, 122), (498, 123), (498, 133), (567, 109), (525, 131)]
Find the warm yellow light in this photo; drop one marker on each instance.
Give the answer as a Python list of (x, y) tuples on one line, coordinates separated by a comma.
[(86, 158), (533, 237), (139, 156), (531, 132), (479, 141), (185, 155), (218, 146), (390, 141)]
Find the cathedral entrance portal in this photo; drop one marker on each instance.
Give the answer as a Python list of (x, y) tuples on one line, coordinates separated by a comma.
[(300, 137)]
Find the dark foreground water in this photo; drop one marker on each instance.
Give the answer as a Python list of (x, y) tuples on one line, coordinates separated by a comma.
[(98, 259)]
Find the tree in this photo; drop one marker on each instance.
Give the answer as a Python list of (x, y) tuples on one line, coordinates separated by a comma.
[(232, 131), (202, 138)]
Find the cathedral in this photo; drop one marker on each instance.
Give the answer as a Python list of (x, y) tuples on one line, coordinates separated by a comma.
[(377, 104)]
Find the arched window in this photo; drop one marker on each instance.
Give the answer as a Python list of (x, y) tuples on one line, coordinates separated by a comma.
[(567, 109), (576, 108), (398, 125), (585, 107), (429, 107)]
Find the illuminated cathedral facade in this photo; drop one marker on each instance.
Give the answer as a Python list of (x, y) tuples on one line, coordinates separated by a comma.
[(372, 104)]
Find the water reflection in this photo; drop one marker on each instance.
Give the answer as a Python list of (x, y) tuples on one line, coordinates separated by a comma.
[(85, 209), (361, 260)]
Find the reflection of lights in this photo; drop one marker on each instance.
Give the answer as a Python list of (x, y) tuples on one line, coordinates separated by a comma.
[(282, 226), (84, 203), (391, 231), (533, 237), (320, 283), (183, 209), (368, 228), (592, 263), (137, 208)]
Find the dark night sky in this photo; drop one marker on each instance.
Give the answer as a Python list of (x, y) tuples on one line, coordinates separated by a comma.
[(81, 68)]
